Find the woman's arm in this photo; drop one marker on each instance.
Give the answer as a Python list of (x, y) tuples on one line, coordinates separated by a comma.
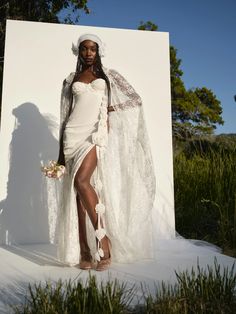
[(61, 156), (64, 113)]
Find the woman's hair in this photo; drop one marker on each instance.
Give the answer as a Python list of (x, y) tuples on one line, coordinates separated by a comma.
[(98, 71)]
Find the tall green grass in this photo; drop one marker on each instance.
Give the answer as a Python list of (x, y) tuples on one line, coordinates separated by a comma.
[(205, 193), (209, 291), (73, 297)]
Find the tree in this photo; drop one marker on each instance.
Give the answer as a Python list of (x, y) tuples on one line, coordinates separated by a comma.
[(148, 26), (38, 10), (195, 112)]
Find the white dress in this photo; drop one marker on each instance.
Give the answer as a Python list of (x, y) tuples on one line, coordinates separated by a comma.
[(83, 120), (85, 128), (123, 179)]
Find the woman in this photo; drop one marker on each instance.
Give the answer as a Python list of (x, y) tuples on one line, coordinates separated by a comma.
[(109, 172)]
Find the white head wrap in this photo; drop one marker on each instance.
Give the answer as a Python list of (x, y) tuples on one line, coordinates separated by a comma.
[(95, 38)]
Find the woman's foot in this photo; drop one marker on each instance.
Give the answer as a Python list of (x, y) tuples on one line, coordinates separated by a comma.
[(86, 261), (104, 264), (105, 261)]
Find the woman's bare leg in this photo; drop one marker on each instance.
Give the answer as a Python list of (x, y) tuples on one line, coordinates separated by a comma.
[(86, 192), (84, 247)]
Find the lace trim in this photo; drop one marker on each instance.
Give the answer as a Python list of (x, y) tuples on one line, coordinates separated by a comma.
[(119, 82), (65, 102)]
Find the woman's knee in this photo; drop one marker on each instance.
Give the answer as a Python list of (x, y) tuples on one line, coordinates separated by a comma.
[(81, 183)]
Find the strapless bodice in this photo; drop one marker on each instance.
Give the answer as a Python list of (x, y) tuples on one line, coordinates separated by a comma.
[(87, 101), (96, 85)]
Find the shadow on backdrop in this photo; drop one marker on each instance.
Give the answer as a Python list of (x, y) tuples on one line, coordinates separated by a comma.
[(24, 217)]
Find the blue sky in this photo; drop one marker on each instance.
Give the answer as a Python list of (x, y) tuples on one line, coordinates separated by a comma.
[(203, 31)]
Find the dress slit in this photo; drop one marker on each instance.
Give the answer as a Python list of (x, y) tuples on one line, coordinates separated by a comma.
[(79, 163), (85, 129)]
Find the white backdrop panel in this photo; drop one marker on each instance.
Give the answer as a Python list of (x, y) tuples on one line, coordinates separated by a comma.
[(37, 59)]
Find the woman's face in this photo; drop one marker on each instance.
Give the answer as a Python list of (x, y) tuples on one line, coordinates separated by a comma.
[(88, 51)]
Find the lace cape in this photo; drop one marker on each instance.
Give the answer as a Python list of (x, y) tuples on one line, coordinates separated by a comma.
[(127, 175)]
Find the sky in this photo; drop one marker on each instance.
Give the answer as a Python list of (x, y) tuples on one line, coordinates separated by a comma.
[(203, 31)]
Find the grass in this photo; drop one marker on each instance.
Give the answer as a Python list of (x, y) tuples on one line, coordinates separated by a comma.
[(209, 291), (77, 297), (205, 194)]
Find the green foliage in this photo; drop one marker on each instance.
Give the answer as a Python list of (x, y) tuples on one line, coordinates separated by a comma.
[(148, 26), (39, 10), (195, 112), (77, 297), (210, 290), (205, 191)]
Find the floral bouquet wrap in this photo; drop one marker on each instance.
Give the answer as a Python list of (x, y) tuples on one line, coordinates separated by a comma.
[(53, 170)]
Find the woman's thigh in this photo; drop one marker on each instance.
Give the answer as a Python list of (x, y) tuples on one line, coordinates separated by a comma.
[(87, 167)]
